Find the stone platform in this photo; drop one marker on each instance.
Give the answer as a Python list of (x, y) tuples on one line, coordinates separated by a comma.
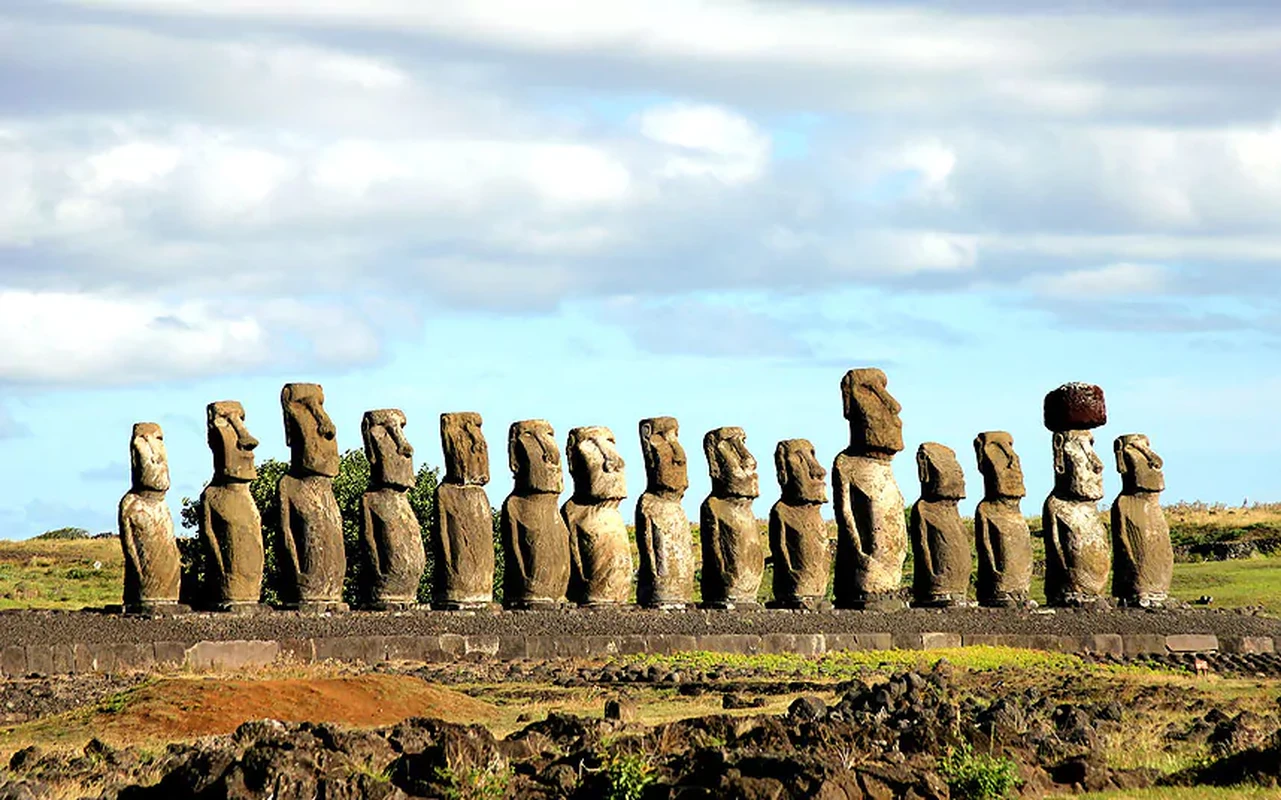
[(49, 642)]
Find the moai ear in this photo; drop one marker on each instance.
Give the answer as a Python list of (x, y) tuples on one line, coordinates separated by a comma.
[(513, 437), (847, 392), (780, 463), (1060, 463), (922, 466), (978, 450)]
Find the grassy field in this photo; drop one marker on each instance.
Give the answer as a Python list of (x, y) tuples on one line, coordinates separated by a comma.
[(53, 573)]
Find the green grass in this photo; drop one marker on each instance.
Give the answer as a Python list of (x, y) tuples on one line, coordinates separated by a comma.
[(61, 574), (1240, 582)]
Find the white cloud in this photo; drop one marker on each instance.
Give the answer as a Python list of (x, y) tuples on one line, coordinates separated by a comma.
[(709, 141), (1114, 280)]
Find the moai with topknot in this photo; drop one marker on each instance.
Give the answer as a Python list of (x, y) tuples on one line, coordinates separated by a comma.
[(1142, 555), (230, 525), (1001, 532), (940, 544), (664, 538), (600, 554), (536, 557), (463, 541), (733, 559), (390, 534), (153, 567), (871, 544), (797, 531)]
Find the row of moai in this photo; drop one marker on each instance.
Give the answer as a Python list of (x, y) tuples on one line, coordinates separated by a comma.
[(579, 552)]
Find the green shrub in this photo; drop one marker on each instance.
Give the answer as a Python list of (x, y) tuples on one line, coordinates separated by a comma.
[(65, 533), (626, 775), (474, 783), (975, 776)]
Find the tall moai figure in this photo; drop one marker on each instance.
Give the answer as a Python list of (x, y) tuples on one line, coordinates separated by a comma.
[(940, 544), (664, 539), (314, 562), (463, 541), (600, 554), (1001, 531), (391, 537), (797, 532), (1077, 551), (153, 567), (871, 544), (230, 525), (535, 540), (733, 559), (1142, 556)]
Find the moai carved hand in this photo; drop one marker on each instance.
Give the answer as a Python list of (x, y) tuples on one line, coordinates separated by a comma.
[(1001, 531), (664, 538), (535, 540), (797, 532), (230, 525), (1142, 555), (463, 540), (733, 559), (600, 554), (391, 536), (940, 543), (153, 567)]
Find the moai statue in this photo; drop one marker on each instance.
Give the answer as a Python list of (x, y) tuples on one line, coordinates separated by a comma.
[(940, 544), (600, 554), (1000, 529), (314, 562), (1142, 556), (871, 544), (797, 532), (664, 538), (535, 540), (733, 560), (1077, 552), (390, 534), (153, 568), (463, 541), (230, 525)]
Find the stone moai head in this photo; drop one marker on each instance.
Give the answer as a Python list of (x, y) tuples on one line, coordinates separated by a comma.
[(1139, 466), (666, 468), (1078, 471), (873, 414), (309, 432), (730, 463), (230, 441), (595, 465), (391, 457), (940, 473), (148, 461), (1000, 465), (466, 452), (802, 479), (534, 458)]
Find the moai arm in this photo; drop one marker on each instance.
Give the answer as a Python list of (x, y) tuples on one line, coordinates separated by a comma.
[(127, 541), (778, 543), (1121, 535), (367, 535), (845, 513), (983, 536), (509, 529), (921, 537), (286, 531), (646, 533), (207, 532), (575, 557), (710, 533)]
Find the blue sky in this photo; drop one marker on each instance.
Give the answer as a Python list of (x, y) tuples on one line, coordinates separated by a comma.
[(596, 213)]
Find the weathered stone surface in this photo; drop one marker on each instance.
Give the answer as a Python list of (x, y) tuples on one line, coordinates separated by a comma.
[(535, 540), (153, 568), (313, 561), (463, 541), (1142, 555), (1001, 532), (940, 543), (391, 536), (664, 539), (600, 554), (733, 559), (230, 525), (1192, 643), (871, 544), (1077, 551), (797, 531), (1075, 407)]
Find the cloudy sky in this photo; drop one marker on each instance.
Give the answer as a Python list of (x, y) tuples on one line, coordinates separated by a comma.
[(594, 212)]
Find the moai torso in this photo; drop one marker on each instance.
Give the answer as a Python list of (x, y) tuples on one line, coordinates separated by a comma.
[(1001, 532), (664, 539), (871, 545), (463, 542), (600, 554), (230, 524), (1142, 555), (797, 531), (314, 562), (733, 559), (391, 535), (536, 561), (153, 567), (940, 544)]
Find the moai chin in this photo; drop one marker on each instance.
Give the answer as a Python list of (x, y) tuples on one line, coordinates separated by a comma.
[(391, 537), (664, 539), (535, 540), (463, 539), (797, 532), (153, 567), (1001, 531), (940, 544), (600, 554), (1077, 551), (314, 562), (871, 544), (230, 525), (733, 559), (1142, 555)]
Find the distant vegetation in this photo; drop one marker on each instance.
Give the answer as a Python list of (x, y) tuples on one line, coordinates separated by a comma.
[(64, 533)]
